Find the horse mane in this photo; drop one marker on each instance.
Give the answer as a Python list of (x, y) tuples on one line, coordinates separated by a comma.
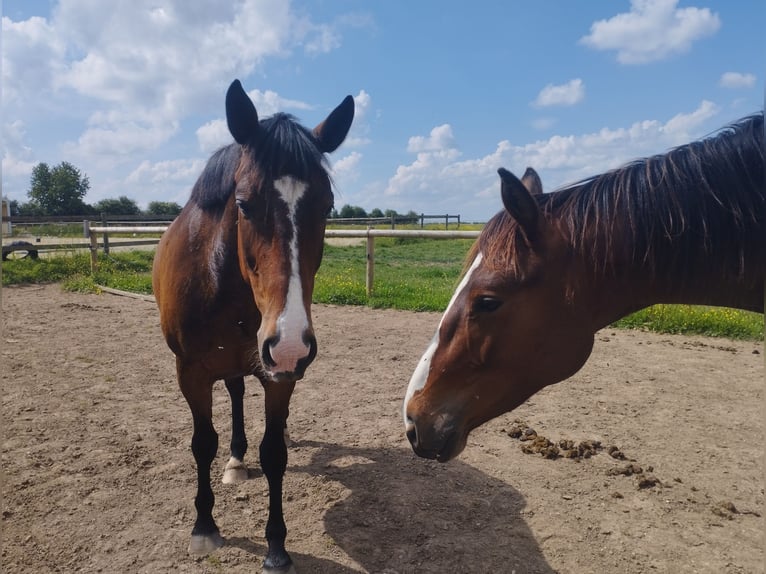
[(282, 147), (701, 204)]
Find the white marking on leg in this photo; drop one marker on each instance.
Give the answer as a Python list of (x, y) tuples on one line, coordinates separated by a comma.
[(293, 322), (204, 544), (235, 471), (420, 375)]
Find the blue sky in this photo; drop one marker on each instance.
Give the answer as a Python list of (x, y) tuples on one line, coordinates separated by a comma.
[(132, 91)]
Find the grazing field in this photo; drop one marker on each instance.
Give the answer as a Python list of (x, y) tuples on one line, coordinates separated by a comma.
[(99, 477)]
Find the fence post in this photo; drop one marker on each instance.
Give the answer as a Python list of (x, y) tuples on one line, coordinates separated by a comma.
[(393, 222), (106, 235), (370, 261), (446, 222), (93, 247)]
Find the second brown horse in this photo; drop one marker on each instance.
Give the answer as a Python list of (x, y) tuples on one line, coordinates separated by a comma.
[(548, 271)]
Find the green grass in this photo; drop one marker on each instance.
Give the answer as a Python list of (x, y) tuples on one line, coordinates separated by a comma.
[(129, 270), (697, 320), (410, 274)]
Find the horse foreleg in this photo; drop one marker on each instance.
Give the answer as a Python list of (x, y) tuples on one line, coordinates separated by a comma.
[(235, 470), (273, 453), (198, 392)]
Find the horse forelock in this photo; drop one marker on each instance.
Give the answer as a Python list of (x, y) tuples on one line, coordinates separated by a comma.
[(502, 246), (286, 148)]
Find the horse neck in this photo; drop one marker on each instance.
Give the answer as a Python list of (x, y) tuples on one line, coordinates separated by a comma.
[(212, 233), (609, 297), (611, 289)]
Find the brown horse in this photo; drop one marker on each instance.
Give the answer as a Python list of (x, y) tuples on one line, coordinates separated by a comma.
[(233, 277), (688, 226)]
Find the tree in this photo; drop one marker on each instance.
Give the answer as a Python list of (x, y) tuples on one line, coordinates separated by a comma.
[(163, 208), (59, 190), (390, 213), (376, 213), (120, 206), (411, 215), (352, 211)]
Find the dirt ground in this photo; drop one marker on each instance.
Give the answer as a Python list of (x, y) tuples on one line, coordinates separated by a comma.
[(99, 476)]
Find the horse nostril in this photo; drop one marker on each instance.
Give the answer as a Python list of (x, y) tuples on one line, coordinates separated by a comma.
[(311, 342), (266, 357), (412, 433)]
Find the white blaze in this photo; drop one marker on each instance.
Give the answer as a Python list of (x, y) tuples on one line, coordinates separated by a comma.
[(420, 375), (293, 321)]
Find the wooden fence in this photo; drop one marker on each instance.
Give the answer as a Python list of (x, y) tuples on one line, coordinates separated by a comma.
[(35, 246), (368, 234)]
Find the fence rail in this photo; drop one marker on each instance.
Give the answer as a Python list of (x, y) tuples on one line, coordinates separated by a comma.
[(369, 234)]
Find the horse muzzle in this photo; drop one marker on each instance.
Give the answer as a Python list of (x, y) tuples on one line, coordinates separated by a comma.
[(440, 440), (287, 361)]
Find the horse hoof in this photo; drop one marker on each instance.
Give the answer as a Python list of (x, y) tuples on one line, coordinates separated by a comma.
[(289, 570), (235, 471), (204, 544)]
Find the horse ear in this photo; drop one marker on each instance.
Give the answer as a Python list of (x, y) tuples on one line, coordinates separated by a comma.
[(241, 116), (532, 182), (519, 203), (333, 130)]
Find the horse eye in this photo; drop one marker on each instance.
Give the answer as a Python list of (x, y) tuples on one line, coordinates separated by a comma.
[(243, 207), (486, 304)]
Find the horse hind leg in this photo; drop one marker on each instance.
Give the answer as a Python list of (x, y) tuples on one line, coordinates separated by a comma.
[(235, 470)]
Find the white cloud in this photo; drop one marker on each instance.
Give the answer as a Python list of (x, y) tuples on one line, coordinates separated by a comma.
[(362, 103), (133, 73), (359, 135), (17, 167), (325, 39), (440, 139), (736, 80), (116, 142), (269, 103), (166, 171), (18, 160), (543, 123), (652, 30), (168, 180), (156, 61), (186, 49), (213, 135), (32, 55), (346, 170), (683, 127), (567, 94)]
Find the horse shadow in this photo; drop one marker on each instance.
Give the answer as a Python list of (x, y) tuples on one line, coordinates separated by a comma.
[(406, 514)]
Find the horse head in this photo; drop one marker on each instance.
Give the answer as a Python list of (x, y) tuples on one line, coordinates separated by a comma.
[(509, 330), (282, 196)]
